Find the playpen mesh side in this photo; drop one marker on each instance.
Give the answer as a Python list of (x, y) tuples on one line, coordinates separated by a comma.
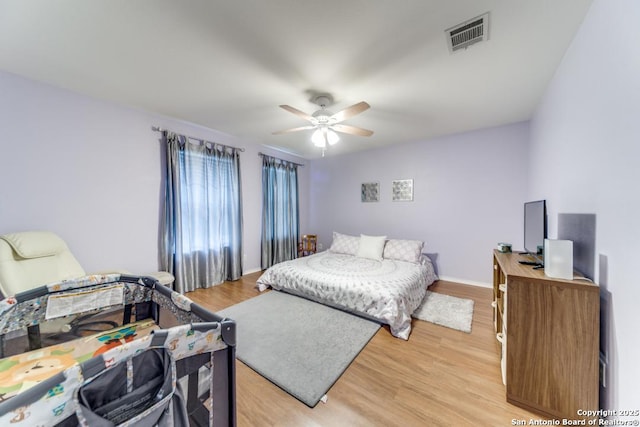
[(30, 308), (202, 344)]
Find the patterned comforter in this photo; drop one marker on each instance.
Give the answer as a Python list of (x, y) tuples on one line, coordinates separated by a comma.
[(387, 291)]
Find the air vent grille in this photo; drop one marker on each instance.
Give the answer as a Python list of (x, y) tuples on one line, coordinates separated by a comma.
[(469, 32)]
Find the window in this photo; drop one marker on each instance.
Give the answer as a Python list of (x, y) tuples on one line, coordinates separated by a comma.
[(202, 227)]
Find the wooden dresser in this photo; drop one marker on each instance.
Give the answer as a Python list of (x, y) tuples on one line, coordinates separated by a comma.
[(549, 330)]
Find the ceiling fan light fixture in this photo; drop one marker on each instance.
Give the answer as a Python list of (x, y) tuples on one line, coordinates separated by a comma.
[(325, 124), (319, 140), (323, 117)]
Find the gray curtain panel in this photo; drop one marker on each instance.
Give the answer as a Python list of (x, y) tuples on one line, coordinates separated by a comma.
[(201, 236), (280, 211)]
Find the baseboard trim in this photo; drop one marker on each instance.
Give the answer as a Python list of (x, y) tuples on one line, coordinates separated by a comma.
[(466, 282), (253, 270)]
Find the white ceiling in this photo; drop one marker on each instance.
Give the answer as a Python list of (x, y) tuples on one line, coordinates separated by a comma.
[(227, 64)]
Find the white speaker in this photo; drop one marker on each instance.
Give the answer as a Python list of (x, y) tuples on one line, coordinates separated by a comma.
[(558, 258)]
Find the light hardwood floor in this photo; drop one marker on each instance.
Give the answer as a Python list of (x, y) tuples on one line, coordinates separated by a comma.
[(439, 377)]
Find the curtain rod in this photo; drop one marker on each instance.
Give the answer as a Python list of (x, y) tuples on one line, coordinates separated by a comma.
[(159, 129), (282, 160)]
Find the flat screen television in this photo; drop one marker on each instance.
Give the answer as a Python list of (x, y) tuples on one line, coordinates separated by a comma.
[(535, 228)]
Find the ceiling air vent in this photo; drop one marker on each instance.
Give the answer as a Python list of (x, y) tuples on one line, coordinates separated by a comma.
[(469, 32)]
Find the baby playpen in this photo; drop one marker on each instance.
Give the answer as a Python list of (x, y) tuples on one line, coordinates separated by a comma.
[(164, 360)]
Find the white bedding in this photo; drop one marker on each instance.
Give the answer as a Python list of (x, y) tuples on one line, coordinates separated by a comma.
[(388, 290)]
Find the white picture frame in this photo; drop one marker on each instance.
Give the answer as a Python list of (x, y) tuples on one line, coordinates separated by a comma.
[(402, 190)]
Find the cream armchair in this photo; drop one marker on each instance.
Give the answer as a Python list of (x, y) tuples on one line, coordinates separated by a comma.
[(34, 258)]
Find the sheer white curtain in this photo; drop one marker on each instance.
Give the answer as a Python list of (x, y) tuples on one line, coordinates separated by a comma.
[(280, 211), (201, 236)]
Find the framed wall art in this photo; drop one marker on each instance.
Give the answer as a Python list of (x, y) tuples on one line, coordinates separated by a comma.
[(370, 192), (402, 190)]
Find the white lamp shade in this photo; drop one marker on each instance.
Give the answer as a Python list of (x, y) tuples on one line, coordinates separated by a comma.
[(318, 137), (332, 137)]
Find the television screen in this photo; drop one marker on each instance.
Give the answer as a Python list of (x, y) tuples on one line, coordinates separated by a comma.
[(535, 226)]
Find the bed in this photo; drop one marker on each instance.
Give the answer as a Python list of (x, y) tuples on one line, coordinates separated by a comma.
[(384, 280)]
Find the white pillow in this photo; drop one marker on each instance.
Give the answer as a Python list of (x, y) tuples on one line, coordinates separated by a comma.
[(403, 250), (344, 244), (371, 247)]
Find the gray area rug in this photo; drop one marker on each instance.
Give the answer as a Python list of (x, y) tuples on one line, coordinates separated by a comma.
[(299, 345), (445, 310)]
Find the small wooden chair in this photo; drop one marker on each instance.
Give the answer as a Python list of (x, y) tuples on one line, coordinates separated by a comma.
[(307, 245)]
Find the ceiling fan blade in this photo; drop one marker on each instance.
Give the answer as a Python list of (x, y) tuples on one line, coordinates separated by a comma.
[(297, 112), (353, 130), (280, 132), (350, 111)]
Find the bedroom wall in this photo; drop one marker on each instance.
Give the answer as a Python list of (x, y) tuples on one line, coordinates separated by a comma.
[(584, 159), (90, 171), (469, 191)]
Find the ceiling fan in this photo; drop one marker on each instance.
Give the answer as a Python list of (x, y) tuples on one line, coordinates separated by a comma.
[(325, 123)]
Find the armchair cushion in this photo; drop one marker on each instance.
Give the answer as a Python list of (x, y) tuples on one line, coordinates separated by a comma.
[(35, 244)]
